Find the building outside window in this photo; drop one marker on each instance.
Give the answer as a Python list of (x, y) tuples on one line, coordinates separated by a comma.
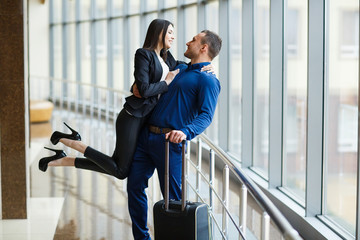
[(295, 98), (341, 126), (261, 89)]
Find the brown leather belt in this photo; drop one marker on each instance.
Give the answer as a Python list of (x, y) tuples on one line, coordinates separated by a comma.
[(158, 130)]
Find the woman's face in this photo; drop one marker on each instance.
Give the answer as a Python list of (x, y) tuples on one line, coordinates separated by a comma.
[(169, 37)]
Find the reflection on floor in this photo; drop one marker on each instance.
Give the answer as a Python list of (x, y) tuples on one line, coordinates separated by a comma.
[(95, 205)]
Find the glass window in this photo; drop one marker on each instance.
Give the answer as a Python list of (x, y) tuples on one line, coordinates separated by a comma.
[(85, 52), (261, 90), (118, 53), (57, 11), (349, 36), (85, 9), (212, 24), (71, 61), (134, 6), (295, 99), (57, 48), (170, 3), (100, 8), (171, 15), (70, 11), (134, 44), (71, 51), (117, 9), (101, 53), (235, 77), (190, 27), (341, 127), (151, 5)]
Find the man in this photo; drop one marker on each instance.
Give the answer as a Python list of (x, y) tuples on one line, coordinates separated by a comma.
[(183, 112)]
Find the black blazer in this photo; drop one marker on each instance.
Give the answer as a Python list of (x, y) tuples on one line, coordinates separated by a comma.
[(148, 72)]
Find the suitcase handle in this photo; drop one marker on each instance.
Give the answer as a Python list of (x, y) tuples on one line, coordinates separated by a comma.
[(183, 179)]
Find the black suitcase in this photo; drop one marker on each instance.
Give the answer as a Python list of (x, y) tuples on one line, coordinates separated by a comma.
[(180, 220)]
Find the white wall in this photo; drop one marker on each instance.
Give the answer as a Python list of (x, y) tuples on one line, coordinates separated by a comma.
[(39, 38)]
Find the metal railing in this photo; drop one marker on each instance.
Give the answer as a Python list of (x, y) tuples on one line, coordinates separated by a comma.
[(269, 210), (105, 103)]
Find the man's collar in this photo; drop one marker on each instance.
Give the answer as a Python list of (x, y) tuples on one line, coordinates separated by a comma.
[(197, 65)]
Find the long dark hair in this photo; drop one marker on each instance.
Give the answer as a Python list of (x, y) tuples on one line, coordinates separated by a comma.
[(152, 35)]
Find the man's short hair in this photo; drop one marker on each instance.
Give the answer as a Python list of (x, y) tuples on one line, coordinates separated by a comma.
[(213, 41)]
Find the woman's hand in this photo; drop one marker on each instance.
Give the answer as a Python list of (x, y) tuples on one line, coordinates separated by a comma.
[(136, 91), (171, 75), (209, 68)]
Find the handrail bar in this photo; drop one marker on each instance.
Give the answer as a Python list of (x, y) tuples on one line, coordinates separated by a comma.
[(217, 196), (281, 222), (222, 204)]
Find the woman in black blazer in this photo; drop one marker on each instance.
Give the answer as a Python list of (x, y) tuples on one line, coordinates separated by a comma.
[(152, 63)]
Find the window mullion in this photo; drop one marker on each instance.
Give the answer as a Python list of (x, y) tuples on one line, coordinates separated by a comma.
[(315, 131), (276, 92)]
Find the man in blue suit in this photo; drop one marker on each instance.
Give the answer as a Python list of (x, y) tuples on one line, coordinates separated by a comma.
[(183, 112)]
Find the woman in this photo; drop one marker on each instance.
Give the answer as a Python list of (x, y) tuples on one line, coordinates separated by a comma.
[(153, 65)]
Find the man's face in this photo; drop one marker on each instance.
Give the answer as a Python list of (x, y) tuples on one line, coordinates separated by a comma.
[(194, 46)]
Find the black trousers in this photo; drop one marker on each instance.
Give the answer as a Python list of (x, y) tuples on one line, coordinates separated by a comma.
[(127, 131)]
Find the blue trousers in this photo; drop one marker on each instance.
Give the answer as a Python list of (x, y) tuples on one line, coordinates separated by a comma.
[(150, 154)]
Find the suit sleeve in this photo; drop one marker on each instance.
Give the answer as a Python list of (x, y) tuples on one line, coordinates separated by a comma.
[(142, 76), (209, 91)]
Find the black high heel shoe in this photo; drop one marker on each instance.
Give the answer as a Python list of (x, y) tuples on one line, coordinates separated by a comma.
[(43, 163), (56, 136)]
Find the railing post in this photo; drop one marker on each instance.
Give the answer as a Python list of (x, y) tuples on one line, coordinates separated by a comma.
[(114, 108), (225, 200), (183, 178), (243, 210), (187, 170), (77, 98), (198, 176), (91, 100), (98, 105), (83, 100), (211, 181), (68, 87), (107, 107), (265, 226)]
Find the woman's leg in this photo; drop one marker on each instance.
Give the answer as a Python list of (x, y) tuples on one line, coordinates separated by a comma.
[(82, 163), (127, 131), (74, 144), (65, 162)]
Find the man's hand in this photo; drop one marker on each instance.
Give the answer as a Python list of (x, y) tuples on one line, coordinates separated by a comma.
[(136, 91), (175, 136)]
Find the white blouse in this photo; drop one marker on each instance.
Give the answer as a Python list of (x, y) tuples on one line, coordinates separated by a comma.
[(165, 69)]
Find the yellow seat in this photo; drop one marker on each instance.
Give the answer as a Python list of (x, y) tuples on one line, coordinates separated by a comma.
[(40, 110)]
